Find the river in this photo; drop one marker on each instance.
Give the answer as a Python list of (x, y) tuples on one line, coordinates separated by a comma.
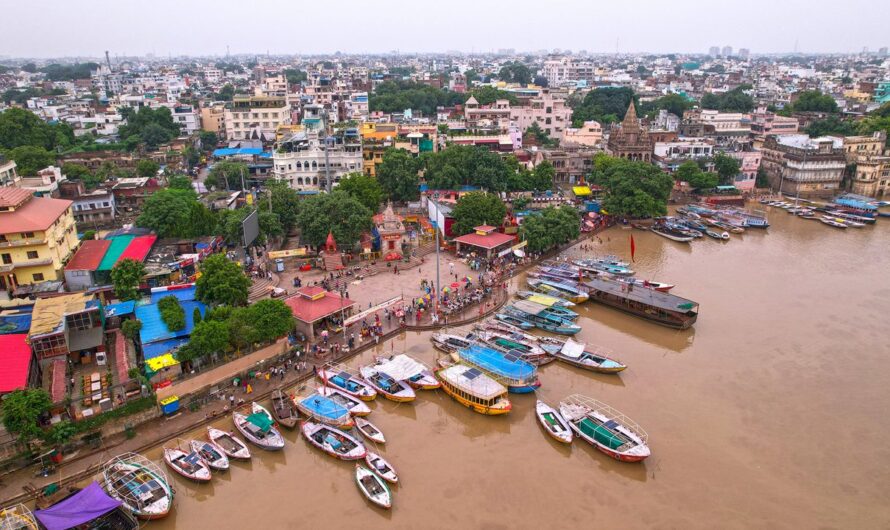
[(770, 411)]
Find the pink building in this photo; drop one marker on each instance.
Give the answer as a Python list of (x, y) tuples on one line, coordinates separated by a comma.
[(548, 110), (750, 163)]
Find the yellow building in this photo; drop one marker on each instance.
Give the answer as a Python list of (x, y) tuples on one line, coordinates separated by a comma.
[(37, 236), (213, 118)]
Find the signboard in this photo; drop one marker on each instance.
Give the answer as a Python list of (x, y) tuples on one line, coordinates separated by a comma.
[(367, 312), (289, 253), (250, 227), (512, 249)]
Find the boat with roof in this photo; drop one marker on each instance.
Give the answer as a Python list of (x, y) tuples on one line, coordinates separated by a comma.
[(605, 428), (338, 376), (324, 409), (591, 358), (139, 484), (449, 342), (473, 389), (333, 441), (529, 349), (231, 445), (355, 406), (402, 367), (662, 308), (385, 384), (544, 299), (257, 429), (509, 369), (540, 317), (553, 423), (373, 487), (87, 508), (570, 290), (17, 517)]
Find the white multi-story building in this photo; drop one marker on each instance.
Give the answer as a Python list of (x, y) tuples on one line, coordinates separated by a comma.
[(249, 113), (300, 159), (548, 109), (567, 70), (669, 155), (187, 118)]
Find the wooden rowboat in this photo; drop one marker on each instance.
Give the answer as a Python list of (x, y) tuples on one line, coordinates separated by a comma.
[(369, 430), (373, 487), (381, 467), (553, 423), (333, 441), (257, 429), (283, 410), (211, 454), (189, 465), (229, 444)]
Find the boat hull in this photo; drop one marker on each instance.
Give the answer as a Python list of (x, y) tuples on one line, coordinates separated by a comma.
[(589, 366), (542, 410), (476, 407), (523, 389)]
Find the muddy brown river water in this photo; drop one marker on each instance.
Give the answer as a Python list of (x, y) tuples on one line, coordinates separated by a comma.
[(772, 411)]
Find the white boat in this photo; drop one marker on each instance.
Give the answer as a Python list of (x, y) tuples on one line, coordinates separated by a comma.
[(189, 465), (140, 485), (256, 408), (373, 487), (553, 423), (337, 376), (405, 368), (593, 359), (369, 430), (383, 468), (231, 445), (333, 441), (355, 406), (257, 428), (449, 342), (391, 388), (831, 222), (605, 428), (211, 454), (717, 235)]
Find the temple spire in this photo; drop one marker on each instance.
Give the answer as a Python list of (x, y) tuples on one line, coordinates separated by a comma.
[(630, 117)]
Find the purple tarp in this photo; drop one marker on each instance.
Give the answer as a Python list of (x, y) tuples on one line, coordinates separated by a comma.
[(82, 507)]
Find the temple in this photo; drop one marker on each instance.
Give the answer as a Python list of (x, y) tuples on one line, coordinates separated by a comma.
[(630, 140)]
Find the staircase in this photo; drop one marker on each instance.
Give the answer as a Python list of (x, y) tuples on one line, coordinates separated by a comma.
[(333, 262), (260, 288)]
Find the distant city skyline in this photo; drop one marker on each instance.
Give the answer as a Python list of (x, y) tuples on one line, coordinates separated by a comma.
[(48, 29)]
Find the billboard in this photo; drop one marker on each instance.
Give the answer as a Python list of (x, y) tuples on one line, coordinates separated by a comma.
[(250, 227)]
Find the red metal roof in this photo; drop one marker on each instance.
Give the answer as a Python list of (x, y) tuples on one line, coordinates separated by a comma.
[(35, 215), (488, 241), (89, 255), (139, 248), (305, 309), (12, 196), (15, 358)]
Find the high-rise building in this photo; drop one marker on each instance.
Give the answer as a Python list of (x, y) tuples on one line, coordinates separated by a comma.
[(882, 51), (727, 51), (744, 53), (714, 51)]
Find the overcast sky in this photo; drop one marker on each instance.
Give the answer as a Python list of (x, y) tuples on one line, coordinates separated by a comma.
[(60, 28)]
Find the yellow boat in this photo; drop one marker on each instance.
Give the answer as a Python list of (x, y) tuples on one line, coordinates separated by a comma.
[(472, 388)]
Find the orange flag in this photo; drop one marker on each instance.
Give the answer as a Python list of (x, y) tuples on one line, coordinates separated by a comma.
[(633, 248)]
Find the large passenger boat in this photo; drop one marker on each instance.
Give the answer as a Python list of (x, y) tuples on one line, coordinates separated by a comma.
[(471, 388), (663, 308)]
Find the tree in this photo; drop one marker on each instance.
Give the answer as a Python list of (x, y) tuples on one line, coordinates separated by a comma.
[(762, 178), (814, 101), (542, 176), (295, 76), (81, 173), (693, 175), (338, 213), (673, 103), (832, 125), (540, 136), (207, 337), (515, 72), (60, 433), (176, 213), (605, 105), (727, 167), (397, 96), (172, 313), (735, 100), (152, 127), (270, 225), (209, 139), (196, 315), (475, 209), (634, 189), (221, 282), (367, 190), (147, 168), (179, 182), (131, 328), (465, 165), (22, 410), (486, 95), (126, 276), (227, 175), (541, 81), (20, 127), (285, 204), (397, 175), (29, 159), (270, 319), (550, 227)]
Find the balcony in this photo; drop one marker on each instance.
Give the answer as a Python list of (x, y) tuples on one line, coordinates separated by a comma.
[(30, 263)]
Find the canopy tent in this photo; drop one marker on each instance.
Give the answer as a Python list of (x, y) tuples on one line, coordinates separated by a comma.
[(84, 506), (572, 349), (261, 421), (401, 367)]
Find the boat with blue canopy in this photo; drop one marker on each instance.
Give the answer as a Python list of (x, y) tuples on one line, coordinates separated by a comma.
[(338, 376), (570, 290), (508, 368), (325, 410), (538, 315)]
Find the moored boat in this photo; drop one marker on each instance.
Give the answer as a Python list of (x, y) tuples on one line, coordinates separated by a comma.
[(514, 321), (529, 350), (831, 222), (391, 388), (189, 465), (570, 290), (646, 284), (544, 299), (373, 487), (553, 423), (283, 409), (663, 308), (139, 484), (605, 428), (232, 446), (382, 467), (339, 377), (402, 367), (671, 234), (717, 235), (618, 268), (333, 441), (472, 388), (449, 342), (509, 369), (355, 406), (18, 517), (582, 356), (369, 430), (538, 315), (211, 454), (324, 409), (257, 429)]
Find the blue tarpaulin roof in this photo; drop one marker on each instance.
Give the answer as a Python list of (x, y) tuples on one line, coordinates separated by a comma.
[(156, 349), (249, 151), (15, 323), (84, 506), (502, 364), (183, 295), (120, 309), (156, 338)]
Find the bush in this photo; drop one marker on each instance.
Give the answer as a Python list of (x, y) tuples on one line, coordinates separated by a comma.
[(172, 313), (132, 407), (131, 328)]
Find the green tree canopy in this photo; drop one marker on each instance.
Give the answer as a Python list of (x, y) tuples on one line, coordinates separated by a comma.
[(832, 125), (486, 95), (269, 319), (339, 213), (475, 209), (221, 282), (22, 410), (176, 213), (692, 174), (126, 276), (152, 127), (397, 175), (295, 76), (727, 167), (147, 168), (396, 96), (68, 72), (876, 122), (227, 175), (540, 136), (31, 159), (209, 139), (285, 203), (20, 127), (172, 313), (465, 165), (515, 72), (673, 103), (635, 189), (734, 100), (179, 182), (81, 173), (551, 227), (131, 328), (367, 190), (814, 101), (605, 105), (207, 337)]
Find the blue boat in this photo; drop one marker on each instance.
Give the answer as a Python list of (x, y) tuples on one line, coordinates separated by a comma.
[(598, 265), (508, 368), (570, 290), (324, 409), (537, 314), (515, 321)]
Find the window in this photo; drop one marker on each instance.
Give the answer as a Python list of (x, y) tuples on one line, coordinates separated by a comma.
[(32, 254), (27, 235), (38, 277), (105, 204)]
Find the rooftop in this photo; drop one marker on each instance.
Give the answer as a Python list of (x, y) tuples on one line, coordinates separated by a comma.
[(487, 241), (89, 255), (49, 313), (313, 303), (34, 215), (470, 379), (15, 357)]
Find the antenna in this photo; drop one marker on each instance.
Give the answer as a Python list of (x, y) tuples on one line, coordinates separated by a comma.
[(107, 60)]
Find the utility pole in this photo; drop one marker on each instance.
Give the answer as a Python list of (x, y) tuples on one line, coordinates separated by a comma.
[(327, 162), (438, 283)]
